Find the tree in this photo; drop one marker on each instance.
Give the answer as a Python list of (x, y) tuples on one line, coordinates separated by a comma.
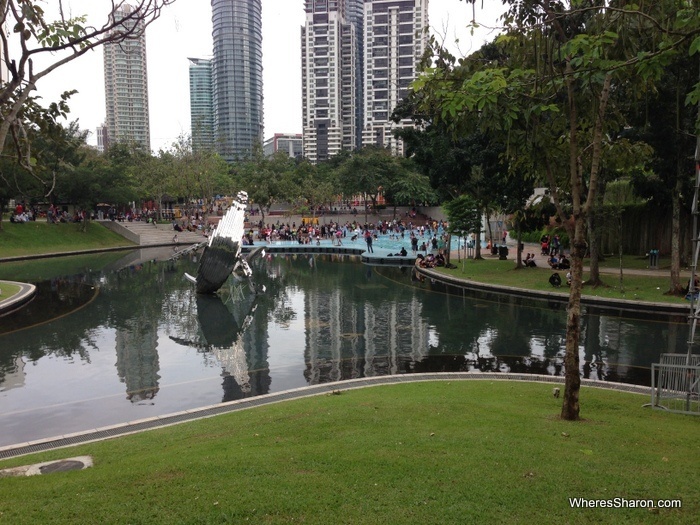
[(61, 40), (463, 216), (548, 100), (263, 178), (366, 172), (408, 186)]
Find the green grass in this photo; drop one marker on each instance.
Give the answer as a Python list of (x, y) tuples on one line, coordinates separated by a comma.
[(41, 237), (7, 290), (440, 452), (636, 287), (37, 270)]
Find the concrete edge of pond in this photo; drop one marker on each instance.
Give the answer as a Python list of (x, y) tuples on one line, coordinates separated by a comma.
[(26, 293), (133, 427), (563, 297)]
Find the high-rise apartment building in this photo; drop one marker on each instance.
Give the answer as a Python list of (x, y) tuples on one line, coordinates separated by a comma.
[(201, 104), (393, 45), (102, 138), (126, 85), (358, 60), (329, 61), (237, 83)]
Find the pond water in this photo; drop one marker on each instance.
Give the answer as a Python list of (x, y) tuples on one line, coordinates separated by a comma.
[(119, 337)]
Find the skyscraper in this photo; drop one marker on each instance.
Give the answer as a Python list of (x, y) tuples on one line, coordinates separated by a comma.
[(126, 85), (201, 106), (359, 58), (329, 61), (394, 43), (237, 93)]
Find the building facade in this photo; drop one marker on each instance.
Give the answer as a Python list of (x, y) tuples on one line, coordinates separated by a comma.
[(359, 58), (201, 105), (394, 43), (102, 138), (4, 72), (237, 83), (329, 55), (290, 143), (126, 86)]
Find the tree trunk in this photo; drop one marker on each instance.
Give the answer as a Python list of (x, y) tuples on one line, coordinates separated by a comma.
[(364, 195), (676, 287), (519, 256), (570, 406), (594, 240), (477, 241), (620, 248)]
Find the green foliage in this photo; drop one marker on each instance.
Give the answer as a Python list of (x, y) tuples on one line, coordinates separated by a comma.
[(463, 215)]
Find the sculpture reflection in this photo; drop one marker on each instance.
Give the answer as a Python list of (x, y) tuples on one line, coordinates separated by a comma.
[(221, 334)]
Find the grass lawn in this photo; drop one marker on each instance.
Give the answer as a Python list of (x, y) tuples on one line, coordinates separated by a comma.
[(435, 452), (41, 237), (636, 287), (7, 290), (37, 270)]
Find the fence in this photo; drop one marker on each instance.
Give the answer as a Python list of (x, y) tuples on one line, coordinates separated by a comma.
[(674, 384)]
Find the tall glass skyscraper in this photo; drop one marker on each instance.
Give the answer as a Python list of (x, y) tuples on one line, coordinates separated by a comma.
[(237, 79), (201, 107), (126, 87)]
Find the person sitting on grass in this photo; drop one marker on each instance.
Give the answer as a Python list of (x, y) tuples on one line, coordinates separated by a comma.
[(555, 280), (553, 262), (530, 261), (564, 263)]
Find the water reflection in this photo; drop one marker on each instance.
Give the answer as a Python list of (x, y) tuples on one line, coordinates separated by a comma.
[(136, 331)]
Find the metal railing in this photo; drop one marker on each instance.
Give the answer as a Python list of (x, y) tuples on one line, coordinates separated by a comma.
[(675, 384)]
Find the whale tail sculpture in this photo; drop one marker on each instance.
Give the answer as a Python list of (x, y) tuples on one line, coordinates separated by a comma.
[(222, 254)]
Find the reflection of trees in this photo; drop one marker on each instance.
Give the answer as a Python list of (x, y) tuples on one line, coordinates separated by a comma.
[(355, 325)]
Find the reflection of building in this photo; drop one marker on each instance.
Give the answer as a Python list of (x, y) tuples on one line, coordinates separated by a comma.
[(290, 143), (126, 86), (201, 108), (345, 340), (15, 378), (137, 358), (237, 76)]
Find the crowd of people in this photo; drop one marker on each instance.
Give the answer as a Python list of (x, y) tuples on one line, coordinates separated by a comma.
[(422, 238), (23, 213)]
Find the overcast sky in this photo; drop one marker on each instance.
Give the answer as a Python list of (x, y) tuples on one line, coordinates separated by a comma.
[(184, 30)]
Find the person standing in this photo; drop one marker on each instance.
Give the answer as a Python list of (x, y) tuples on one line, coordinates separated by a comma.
[(368, 240)]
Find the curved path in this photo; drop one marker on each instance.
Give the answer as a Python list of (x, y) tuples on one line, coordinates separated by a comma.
[(133, 427), (26, 293)]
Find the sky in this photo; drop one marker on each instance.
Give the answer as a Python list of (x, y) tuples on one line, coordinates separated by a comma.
[(184, 30)]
